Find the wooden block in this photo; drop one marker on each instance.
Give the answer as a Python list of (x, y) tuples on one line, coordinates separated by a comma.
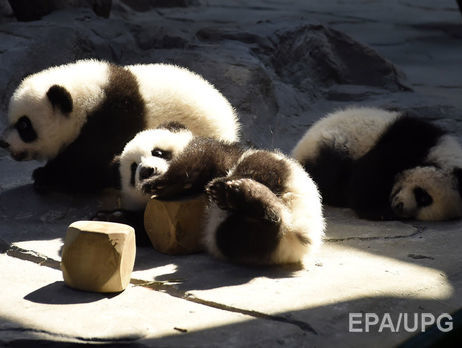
[(175, 228), (98, 256)]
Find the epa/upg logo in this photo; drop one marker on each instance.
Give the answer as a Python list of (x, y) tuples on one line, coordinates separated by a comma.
[(408, 322)]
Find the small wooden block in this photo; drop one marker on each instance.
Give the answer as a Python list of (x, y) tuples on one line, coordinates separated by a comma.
[(98, 256), (175, 228)]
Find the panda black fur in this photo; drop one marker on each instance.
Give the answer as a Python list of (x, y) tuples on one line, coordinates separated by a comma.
[(264, 208), (78, 116), (384, 164)]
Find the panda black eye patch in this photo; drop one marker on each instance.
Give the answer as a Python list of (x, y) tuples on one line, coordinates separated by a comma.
[(422, 197), (25, 129), (167, 155), (133, 167)]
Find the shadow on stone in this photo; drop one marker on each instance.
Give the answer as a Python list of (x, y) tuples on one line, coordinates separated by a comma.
[(323, 319), (202, 271), (26, 215), (58, 293)]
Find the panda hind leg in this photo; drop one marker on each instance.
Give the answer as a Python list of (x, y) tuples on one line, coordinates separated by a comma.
[(245, 196)]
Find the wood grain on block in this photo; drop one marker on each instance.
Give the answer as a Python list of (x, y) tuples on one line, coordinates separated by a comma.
[(98, 256), (175, 227)]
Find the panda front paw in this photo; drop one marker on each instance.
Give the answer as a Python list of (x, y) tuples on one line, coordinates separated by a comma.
[(245, 196), (155, 187), (173, 186)]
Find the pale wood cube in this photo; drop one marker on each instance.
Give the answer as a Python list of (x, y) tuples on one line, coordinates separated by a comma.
[(98, 256), (175, 228)]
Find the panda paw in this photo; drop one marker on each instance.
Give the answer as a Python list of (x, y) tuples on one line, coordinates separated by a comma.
[(229, 194), (246, 196), (173, 186), (159, 187)]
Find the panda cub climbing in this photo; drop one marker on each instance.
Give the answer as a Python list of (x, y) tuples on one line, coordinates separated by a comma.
[(78, 116), (384, 164), (264, 208)]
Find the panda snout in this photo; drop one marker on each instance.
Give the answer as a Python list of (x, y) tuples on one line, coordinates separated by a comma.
[(398, 208), (146, 173), (402, 211), (19, 156)]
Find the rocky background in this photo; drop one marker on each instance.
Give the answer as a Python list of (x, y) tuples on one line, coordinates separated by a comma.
[(282, 67)]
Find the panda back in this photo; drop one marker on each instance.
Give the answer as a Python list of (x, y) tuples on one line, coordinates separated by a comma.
[(353, 131), (174, 93)]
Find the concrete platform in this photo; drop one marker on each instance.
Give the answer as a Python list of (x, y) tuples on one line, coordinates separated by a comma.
[(365, 269)]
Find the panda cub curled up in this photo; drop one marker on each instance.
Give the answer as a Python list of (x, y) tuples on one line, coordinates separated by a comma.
[(264, 208), (384, 164)]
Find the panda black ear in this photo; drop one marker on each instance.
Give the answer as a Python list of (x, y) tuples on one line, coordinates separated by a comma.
[(61, 98), (458, 175)]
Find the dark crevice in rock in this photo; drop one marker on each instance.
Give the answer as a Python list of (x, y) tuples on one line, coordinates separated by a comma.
[(32, 256), (125, 339), (419, 257), (215, 34), (173, 291), (336, 240), (301, 324)]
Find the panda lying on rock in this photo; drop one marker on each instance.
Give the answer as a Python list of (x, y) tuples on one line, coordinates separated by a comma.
[(264, 208), (78, 116), (384, 165)]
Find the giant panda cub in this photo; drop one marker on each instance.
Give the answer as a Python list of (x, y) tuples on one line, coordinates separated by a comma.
[(384, 164), (264, 208), (78, 116), (141, 159)]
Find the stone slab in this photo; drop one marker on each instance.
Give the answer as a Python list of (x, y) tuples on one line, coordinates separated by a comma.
[(38, 306)]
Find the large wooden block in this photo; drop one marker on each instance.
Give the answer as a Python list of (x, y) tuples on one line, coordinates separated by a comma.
[(175, 228), (98, 256)]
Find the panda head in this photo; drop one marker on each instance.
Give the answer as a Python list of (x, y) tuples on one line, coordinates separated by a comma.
[(428, 193), (40, 122), (147, 155)]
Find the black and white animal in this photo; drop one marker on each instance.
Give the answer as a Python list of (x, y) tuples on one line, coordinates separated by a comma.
[(78, 116), (264, 207), (384, 164)]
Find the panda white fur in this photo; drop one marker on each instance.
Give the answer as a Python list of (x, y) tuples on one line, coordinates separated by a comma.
[(384, 164), (264, 208), (147, 155), (79, 115)]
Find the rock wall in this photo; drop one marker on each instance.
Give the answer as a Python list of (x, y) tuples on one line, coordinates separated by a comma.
[(280, 73)]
